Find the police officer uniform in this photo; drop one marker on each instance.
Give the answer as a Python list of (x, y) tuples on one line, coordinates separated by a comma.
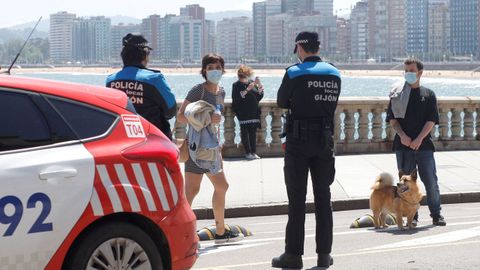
[(310, 91), (147, 89)]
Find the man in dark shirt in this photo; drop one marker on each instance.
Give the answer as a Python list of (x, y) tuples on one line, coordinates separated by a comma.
[(413, 144)]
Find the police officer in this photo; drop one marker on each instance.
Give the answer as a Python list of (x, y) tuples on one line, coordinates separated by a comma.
[(310, 91), (146, 88)]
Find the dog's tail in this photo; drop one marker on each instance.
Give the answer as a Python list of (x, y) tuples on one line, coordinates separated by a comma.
[(383, 180)]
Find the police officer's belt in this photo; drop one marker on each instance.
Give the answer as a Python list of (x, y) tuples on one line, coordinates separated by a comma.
[(318, 124), (301, 128)]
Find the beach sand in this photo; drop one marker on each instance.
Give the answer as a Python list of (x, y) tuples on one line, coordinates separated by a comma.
[(389, 73)]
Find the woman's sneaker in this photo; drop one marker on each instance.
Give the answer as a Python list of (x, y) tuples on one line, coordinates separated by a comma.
[(228, 237), (256, 156), (249, 156)]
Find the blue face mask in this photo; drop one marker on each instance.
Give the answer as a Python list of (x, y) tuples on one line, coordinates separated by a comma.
[(411, 77), (214, 76)]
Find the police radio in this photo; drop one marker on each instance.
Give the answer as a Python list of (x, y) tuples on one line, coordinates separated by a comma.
[(285, 122)]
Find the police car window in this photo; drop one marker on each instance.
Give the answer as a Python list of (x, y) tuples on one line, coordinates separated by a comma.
[(86, 121), (23, 125), (130, 106), (60, 131)]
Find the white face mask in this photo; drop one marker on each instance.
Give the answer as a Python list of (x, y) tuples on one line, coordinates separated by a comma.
[(214, 76), (299, 58)]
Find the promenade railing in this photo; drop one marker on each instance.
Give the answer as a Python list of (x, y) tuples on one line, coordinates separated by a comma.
[(360, 127)]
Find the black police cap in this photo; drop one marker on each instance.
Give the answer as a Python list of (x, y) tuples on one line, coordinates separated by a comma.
[(305, 38), (135, 40)]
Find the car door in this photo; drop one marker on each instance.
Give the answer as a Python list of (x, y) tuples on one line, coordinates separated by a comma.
[(46, 179)]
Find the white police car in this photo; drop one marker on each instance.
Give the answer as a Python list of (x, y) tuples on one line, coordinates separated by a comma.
[(85, 183)]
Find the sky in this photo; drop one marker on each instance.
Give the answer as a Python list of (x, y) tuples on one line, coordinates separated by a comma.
[(15, 12)]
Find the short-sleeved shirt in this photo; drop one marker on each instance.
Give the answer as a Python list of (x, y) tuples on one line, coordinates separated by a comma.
[(311, 90), (198, 92), (421, 108), (149, 92)]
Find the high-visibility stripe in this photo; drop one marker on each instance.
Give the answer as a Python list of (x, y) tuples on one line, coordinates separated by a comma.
[(173, 189), (137, 169), (96, 204), (209, 233), (112, 173), (151, 186), (240, 230), (137, 188), (157, 181), (127, 186), (168, 192), (105, 202), (111, 191)]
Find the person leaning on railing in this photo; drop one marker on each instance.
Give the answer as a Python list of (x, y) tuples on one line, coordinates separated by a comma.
[(246, 94)]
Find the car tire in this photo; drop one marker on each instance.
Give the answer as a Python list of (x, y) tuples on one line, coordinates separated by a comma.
[(108, 244)]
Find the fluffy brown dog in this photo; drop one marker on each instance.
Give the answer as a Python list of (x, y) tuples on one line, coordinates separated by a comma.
[(403, 200)]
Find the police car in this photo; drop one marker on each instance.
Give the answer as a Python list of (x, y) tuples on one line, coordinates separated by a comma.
[(85, 183)]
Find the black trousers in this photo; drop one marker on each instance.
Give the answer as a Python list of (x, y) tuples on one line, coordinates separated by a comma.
[(248, 134), (300, 158)]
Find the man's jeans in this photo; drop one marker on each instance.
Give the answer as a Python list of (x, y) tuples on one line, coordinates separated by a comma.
[(408, 160)]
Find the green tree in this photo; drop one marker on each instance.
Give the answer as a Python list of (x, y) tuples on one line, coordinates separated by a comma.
[(35, 52)]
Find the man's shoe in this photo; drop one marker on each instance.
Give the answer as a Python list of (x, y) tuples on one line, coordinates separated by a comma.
[(324, 260), (439, 221), (288, 261), (414, 223), (228, 237)]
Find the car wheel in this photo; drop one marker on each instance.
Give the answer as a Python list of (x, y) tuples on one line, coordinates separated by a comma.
[(116, 246)]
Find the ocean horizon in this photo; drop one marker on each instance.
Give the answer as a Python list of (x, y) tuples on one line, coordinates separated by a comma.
[(364, 86)]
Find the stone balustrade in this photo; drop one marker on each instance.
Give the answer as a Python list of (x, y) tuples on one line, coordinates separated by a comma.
[(360, 127)]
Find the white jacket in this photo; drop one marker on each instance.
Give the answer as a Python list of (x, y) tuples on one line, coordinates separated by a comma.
[(203, 144)]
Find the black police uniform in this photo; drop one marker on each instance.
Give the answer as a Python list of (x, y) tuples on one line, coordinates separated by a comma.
[(149, 92), (146, 88), (310, 91)]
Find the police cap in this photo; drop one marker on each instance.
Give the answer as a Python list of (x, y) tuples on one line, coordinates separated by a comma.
[(305, 38), (135, 40)]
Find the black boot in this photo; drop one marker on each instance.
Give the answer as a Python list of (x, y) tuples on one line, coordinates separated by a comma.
[(439, 221), (288, 261), (324, 260)]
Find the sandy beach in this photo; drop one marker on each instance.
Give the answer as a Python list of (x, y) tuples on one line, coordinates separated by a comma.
[(389, 73), (427, 73)]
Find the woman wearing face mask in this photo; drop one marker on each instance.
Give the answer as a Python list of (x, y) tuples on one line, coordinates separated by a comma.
[(246, 94), (213, 67)]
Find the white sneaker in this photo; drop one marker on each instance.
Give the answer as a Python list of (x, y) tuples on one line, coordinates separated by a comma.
[(256, 156), (249, 156)]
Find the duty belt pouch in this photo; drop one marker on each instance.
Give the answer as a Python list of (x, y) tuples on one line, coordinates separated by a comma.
[(285, 124)]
